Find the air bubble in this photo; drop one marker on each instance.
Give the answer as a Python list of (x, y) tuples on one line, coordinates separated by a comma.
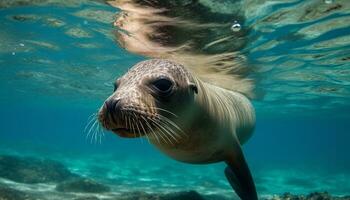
[(21, 44), (236, 27), (13, 53), (328, 1)]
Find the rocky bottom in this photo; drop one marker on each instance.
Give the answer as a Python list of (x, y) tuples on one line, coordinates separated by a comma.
[(7, 193), (30, 178)]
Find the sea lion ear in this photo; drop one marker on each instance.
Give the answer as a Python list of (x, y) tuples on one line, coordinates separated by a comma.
[(193, 87)]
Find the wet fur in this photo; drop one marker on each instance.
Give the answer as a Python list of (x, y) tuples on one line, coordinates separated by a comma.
[(209, 119), (219, 119), (204, 123)]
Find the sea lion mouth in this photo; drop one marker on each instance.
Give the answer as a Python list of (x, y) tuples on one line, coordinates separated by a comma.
[(124, 124), (125, 132), (137, 122)]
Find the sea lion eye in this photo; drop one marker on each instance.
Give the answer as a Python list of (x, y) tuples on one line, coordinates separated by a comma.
[(163, 85), (115, 84)]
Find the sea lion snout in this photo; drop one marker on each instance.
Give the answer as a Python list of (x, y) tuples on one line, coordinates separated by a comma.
[(113, 117), (125, 114), (112, 105), (109, 114)]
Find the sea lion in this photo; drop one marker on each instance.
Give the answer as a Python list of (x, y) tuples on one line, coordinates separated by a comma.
[(186, 118)]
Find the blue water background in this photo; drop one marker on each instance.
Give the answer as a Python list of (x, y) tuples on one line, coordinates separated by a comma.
[(49, 91)]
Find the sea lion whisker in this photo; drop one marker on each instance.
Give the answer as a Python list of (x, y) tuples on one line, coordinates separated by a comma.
[(167, 111), (125, 119), (92, 137), (89, 132), (129, 126), (138, 112), (167, 120), (102, 133), (163, 135), (166, 125), (133, 128), (91, 118), (160, 132), (92, 114), (144, 131), (162, 127), (170, 131), (132, 122), (134, 116), (94, 133), (99, 133), (137, 126), (88, 126), (150, 127), (152, 130)]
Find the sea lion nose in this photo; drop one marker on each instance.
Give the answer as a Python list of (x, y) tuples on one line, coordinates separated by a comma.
[(112, 105)]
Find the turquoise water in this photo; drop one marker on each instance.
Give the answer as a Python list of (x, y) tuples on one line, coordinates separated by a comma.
[(58, 62)]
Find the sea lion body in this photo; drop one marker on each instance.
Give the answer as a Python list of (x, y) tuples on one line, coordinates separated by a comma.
[(188, 119), (219, 117)]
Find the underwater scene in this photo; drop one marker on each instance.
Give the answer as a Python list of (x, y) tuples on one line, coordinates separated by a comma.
[(59, 61)]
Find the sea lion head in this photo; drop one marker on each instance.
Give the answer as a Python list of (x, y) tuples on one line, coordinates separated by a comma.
[(148, 99)]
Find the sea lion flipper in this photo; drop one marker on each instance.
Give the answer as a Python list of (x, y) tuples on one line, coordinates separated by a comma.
[(232, 179), (238, 174)]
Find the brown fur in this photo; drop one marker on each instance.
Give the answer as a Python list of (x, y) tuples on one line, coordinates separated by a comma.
[(201, 127), (195, 122)]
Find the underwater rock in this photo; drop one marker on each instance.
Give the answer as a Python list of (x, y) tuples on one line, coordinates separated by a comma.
[(82, 185), (187, 195), (218, 197), (7, 193), (32, 170), (324, 196), (136, 196), (87, 198), (183, 195), (78, 33), (53, 22), (311, 196), (23, 18)]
